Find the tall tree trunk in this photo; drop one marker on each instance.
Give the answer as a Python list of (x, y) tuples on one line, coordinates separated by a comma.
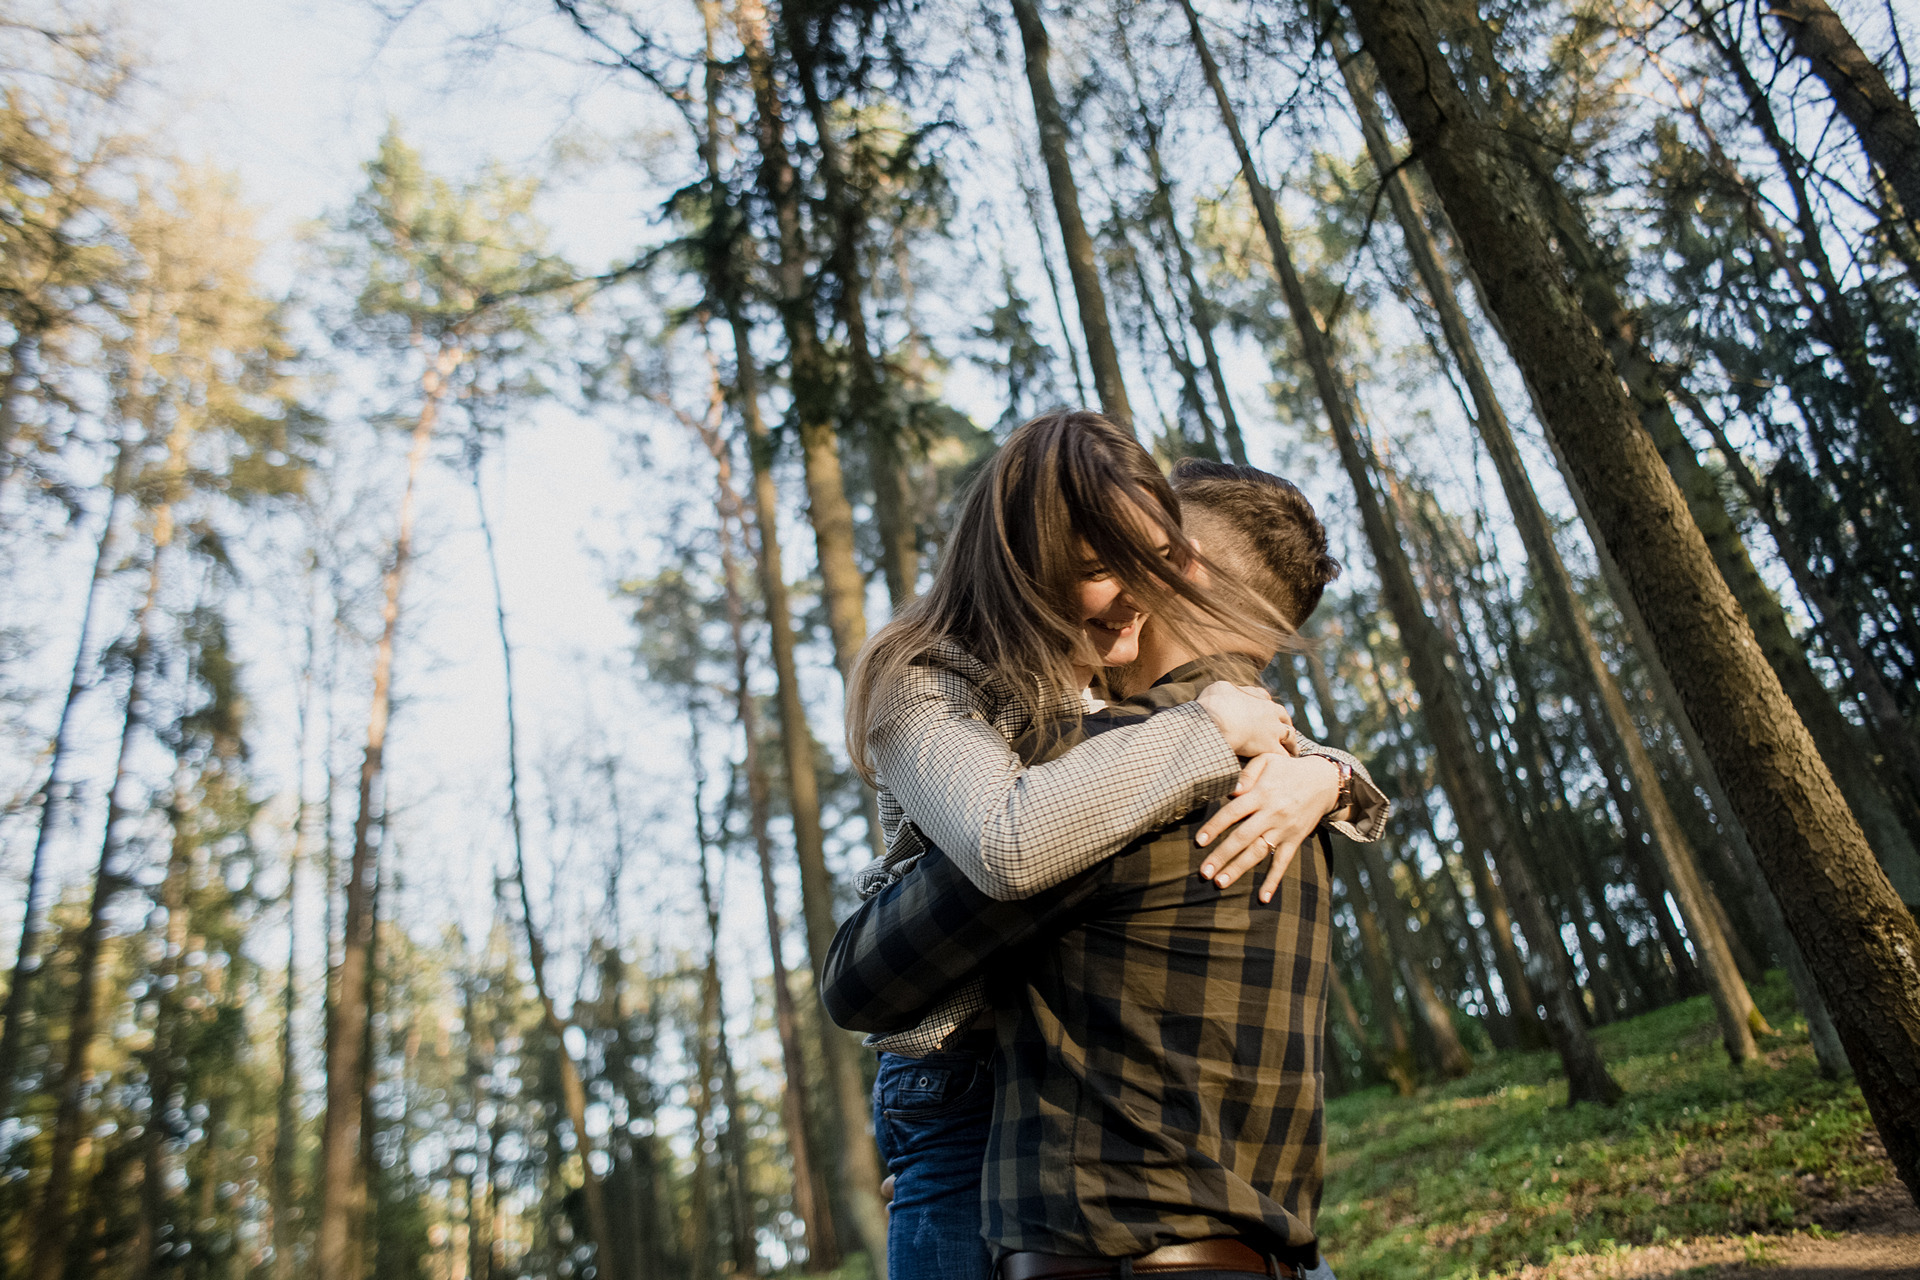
[(871, 418), (55, 794), (729, 1143), (286, 1095), (1397, 1061), (164, 1051), (343, 1198), (847, 1104), (1435, 1014), (810, 1192), (54, 1231), (1082, 259), (1463, 770), (1199, 308), (1883, 119), (1377, 965), (572, 1087), (1593, 283), (1032, 198), (859, 1159), (812, 373), (1859, 936), (1738, 1016)]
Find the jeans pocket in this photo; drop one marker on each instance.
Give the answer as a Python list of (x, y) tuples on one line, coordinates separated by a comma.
[(910, 1088)]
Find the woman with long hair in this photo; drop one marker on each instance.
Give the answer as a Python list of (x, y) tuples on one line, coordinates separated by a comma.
[(1066, 543)]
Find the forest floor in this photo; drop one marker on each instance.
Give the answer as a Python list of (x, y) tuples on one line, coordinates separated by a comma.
[(1703, 1171)]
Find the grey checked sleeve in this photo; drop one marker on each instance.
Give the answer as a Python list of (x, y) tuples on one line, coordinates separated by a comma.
[(1015, 830), (1367, 820)]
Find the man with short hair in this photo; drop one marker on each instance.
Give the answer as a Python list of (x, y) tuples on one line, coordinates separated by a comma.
[(1158, 1095)]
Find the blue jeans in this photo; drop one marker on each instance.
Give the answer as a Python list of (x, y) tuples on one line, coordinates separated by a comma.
[(930, 1119)]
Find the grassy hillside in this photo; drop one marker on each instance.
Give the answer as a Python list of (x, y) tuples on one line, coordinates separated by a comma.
[(1492, 1172)]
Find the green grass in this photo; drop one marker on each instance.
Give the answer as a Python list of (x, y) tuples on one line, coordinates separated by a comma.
[(1490, 1173)]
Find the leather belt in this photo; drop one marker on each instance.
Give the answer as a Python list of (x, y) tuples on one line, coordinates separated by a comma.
[(1196, 1255)]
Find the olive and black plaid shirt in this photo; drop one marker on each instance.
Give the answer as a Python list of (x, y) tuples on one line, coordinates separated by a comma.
[(1160, 1038)]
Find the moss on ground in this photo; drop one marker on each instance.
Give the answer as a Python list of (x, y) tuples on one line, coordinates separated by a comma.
[(1493, 1172)]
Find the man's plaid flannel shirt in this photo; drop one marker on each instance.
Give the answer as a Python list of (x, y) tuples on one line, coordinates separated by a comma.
[(1018, 822), (1160, 1038)]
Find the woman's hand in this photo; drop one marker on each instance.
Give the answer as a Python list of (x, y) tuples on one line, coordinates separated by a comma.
[(1249, 719), (1277, 803)]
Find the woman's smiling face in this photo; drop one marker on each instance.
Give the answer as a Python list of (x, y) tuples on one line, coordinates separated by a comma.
[(1108, 617)]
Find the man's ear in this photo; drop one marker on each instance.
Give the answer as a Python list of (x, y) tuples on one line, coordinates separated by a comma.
[(1196, 570)]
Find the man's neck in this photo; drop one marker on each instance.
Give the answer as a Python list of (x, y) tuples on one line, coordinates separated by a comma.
[(1159, 656)]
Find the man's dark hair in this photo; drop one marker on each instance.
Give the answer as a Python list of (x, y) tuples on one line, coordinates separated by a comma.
[(1261, 529)]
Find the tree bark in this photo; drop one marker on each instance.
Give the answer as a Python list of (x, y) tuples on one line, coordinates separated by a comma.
[(1884, 120), (869, 415), (343, 1195), (811, 1195), (811, 367), (1861, 940), (1738, 1016), (1082, 260), (1462, 768), (1593, 285)]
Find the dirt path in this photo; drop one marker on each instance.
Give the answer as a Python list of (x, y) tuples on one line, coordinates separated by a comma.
[(1872, 1236)]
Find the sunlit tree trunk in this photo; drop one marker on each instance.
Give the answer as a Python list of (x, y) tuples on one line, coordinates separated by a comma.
[(813, 374), (873, 421), (1462, 767), (1859, 936), (1082, 258), (810, 1193), (343, 1194), (846, 1100)]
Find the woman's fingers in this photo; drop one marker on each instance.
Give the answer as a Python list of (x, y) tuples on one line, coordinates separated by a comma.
[(1277, 872), (1230, 812), (1249, 778), (1252, 851)]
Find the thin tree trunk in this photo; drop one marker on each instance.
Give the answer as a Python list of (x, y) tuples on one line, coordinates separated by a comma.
[(572, 1087), (1377, 965), (286, 1120), (164, 1051), (846, 1101), (1463, 770), (810, 1193), (1859, 937), (1884, 120), (813, 374), (343, 1201), (1198, 307), (1082, 259), (1738, 1016), (1452, 1057), (54, 1231), (729, 1143), (869, 415), (1032, 198), (54, 796)]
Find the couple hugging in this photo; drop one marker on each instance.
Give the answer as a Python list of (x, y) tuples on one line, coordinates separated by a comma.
[(1100, 1046)]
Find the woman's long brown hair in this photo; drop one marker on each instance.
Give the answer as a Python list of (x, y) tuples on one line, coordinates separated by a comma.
[(1007, 585)]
